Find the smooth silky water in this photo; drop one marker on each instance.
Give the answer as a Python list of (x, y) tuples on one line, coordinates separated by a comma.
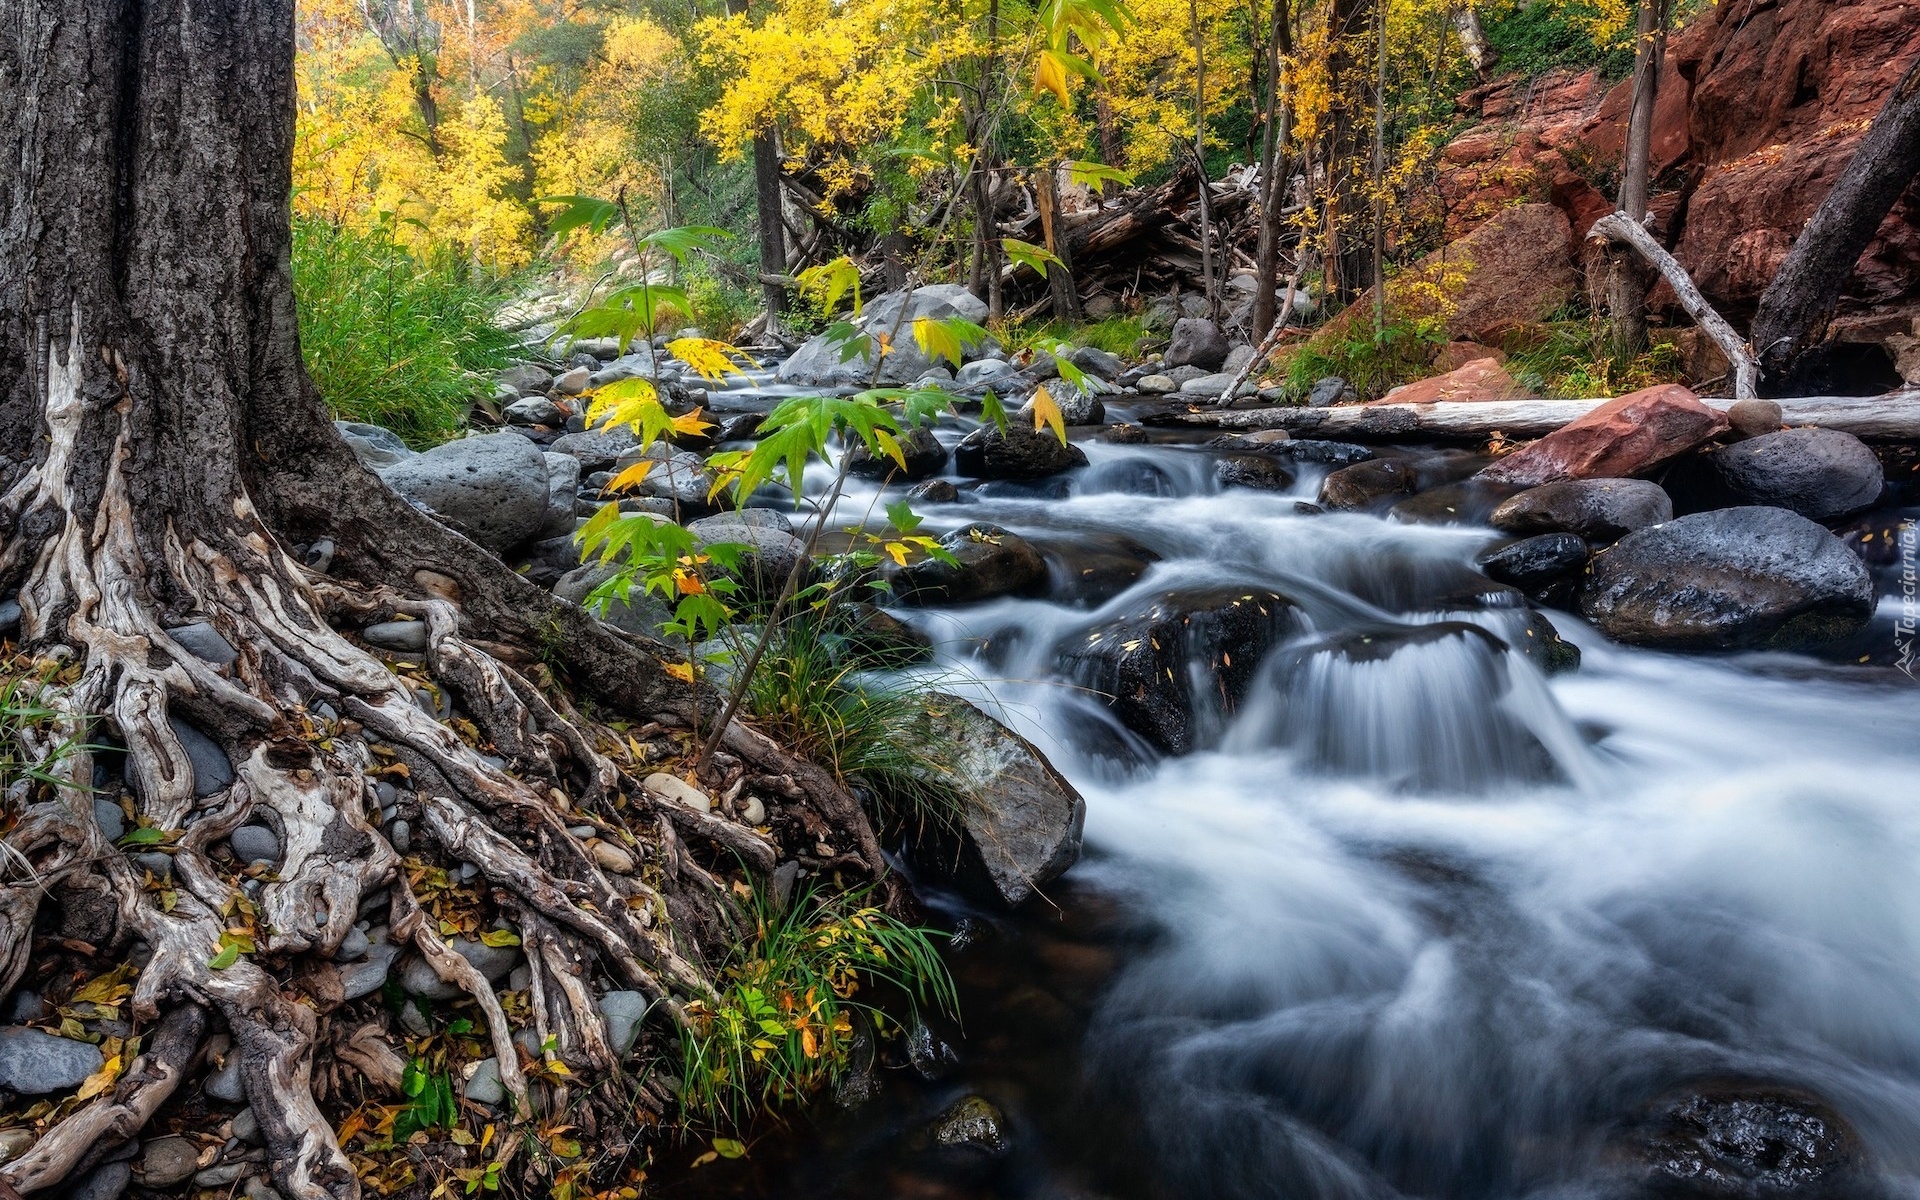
[(1418, 921)]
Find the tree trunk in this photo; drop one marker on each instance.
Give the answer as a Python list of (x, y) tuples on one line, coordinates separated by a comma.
[(1066, 297), (1803, 292), (773, 231), (1207, 274), (1626, 279), (1274, 131), (1348, 246), (1473, 40), (164, 461)]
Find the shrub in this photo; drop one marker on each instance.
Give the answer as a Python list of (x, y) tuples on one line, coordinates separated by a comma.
[(781, 1027), (1575, 360), (392, 340), (1370, 362), (815, 695)]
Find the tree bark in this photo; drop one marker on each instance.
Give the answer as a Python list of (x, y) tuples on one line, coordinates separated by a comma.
[(1626, 279), (1060, 285), (1803, 292), (772, 223), (1473, 40), (1348, 244), (1274, 131), (163, 460)]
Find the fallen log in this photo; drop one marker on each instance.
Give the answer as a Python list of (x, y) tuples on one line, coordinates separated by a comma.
[(1885, 418)]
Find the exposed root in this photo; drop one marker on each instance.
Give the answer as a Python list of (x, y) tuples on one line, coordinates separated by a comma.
[(513, 782)]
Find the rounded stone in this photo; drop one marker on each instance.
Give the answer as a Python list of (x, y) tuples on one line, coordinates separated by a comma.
[(1731, 579)]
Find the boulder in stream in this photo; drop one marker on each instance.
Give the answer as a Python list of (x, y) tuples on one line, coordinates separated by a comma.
[(925, 457), (1182, 662), (1017, 452), (990, 562), (1732, 579), (1737, 1140), (1020, 820), (1599, 510), (1821, 474)]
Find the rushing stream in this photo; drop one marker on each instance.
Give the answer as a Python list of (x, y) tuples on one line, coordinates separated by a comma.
[(1416, 919)]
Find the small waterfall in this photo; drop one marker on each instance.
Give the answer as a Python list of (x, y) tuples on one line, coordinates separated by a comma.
[(1422, 707)]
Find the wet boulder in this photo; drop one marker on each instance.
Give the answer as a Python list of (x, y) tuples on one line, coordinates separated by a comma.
[(873, 636), (1732, 579), (494, 486), (1077, 406), (1599, 510), (1020, 821), (973, 1123), (1256, 471), (1176, 668), (1822, 474), (1464, 502), (990, 562), (1017, 452), (924, 455), (1416, 705), (1535, 563), (1734, 1140), (1354, 488)]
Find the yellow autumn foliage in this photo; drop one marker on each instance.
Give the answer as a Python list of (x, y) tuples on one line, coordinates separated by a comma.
[(361, 150)]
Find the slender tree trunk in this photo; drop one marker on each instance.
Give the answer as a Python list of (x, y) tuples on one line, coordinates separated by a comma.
[(772, 223), (1626, 277), (1348, 253), (1200, 159), (1808, 284), (1380, 173), (164, 460), (1275, 129)]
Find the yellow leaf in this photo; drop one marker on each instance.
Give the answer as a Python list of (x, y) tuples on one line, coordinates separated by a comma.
[(100, 1080), (1050, 75), (632, 477), (681, 671), (890, 446), (688, 582), (898, 551), (692, 424), (711, 358), (1046, 412)]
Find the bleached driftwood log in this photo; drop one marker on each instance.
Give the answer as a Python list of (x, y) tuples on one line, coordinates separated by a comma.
[(1888, 418)]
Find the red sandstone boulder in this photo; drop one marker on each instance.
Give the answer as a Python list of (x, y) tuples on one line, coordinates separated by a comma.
[(1481, 379), (1628, 436)]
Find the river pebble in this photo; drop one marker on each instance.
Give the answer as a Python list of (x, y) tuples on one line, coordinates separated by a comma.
[(33, 1063)]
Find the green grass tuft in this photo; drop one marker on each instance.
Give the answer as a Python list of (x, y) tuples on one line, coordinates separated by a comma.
[(391, 340), (817, 697), (782, 1026)]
